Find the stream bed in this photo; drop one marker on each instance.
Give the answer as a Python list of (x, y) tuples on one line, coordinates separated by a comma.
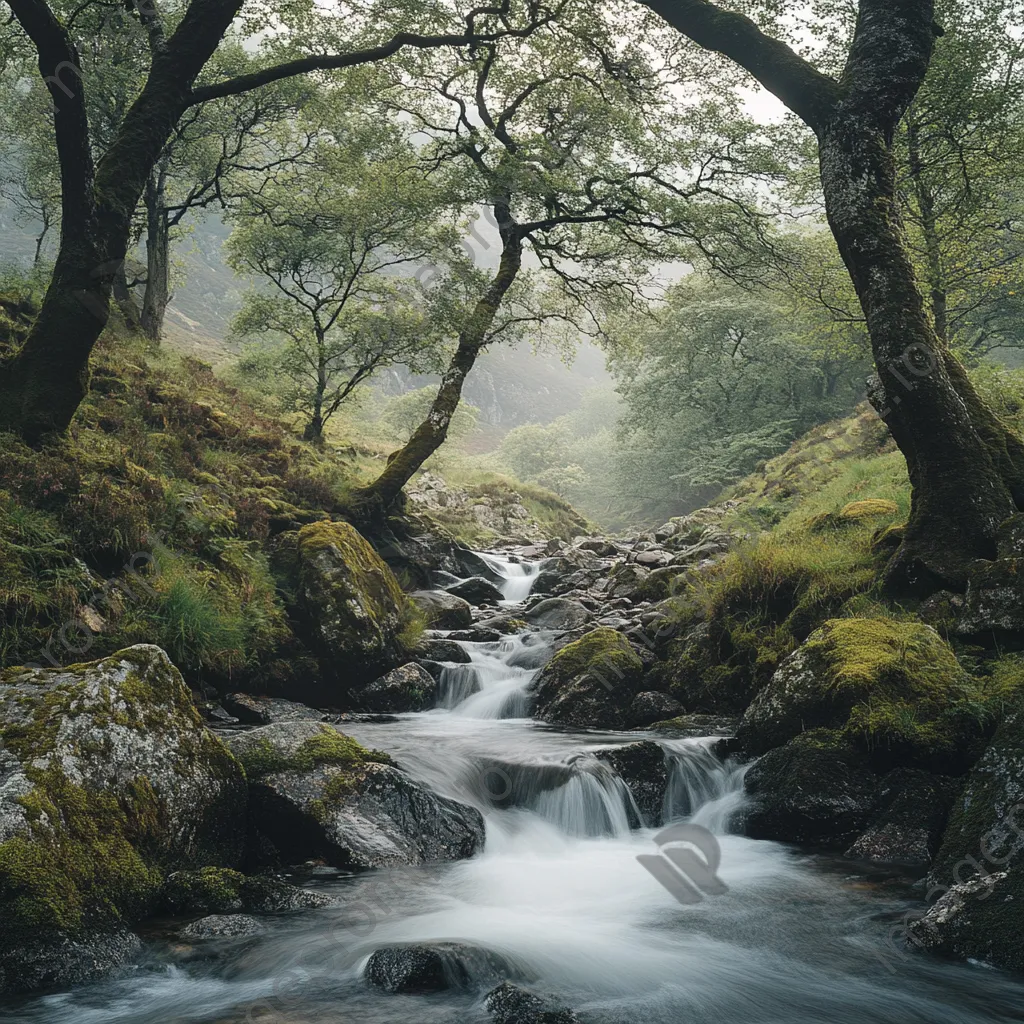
[(560, 898)]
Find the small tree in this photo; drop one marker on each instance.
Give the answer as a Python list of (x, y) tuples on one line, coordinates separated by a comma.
[(328, 241)]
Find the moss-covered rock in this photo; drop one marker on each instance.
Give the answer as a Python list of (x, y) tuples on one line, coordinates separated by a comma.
[(590, 682), (318, 794), (406, 688), (994, 602), (214, 890), (893, 688), (358, 615), (108, 778)]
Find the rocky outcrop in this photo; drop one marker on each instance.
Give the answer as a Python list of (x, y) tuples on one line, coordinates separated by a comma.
[(890, 687), (407, 688), (318, 794), (590, 683), (107, 777), (355, 609)]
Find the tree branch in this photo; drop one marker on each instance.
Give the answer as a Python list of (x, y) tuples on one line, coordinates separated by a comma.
[(810, 94)]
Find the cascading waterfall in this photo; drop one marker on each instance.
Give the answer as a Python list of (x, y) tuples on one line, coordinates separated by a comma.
[(558, 896)]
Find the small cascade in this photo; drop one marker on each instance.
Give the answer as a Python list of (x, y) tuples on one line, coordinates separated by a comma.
[(594, 801), (517, 578), (700, 786), (496, 682)]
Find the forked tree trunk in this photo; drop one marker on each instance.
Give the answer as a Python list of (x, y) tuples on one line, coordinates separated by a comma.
[(379, 496)]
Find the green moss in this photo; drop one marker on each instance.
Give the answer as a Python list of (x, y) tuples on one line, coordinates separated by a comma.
[(328, 747), (210, 890), (89, 860), (603, 652)]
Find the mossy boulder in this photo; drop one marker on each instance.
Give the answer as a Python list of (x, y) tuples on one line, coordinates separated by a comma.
[(315, 793), (406, 688), (892, 688), (590, 682), (108, 779), (994, 603), (442, 610), (214, 890), (357, 614)]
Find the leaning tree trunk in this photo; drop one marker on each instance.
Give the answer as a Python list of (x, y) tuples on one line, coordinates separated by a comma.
[(966, 468), (158, 244), (402, 465)]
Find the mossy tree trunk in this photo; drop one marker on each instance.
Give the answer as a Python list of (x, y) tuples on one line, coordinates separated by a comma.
[(966, 468), (372, 501), (158, 254)]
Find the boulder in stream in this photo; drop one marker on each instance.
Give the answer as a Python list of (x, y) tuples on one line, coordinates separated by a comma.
[(420, 968), (443, 610), (642, 767), (318, 794), (108, 777), (406, 688), (558, 613), (513, 1004), (476, 590)]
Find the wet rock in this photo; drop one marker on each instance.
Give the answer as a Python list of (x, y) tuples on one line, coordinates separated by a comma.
[(642, 767), (224, 891), (442, 649), (476, 590), (407, 688), (477, 635), (223, 926), (813, 790), (512, 1004), (685, 726), (354, 607), (976, 920), (108, 777), (60, 961), (258, 710), (433, 967), (650, 707), (318, 794), (908, 821), (557, 613), (590, 682), (443, 610)]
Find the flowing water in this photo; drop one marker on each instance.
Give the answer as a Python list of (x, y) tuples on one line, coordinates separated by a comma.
[(558, 895)]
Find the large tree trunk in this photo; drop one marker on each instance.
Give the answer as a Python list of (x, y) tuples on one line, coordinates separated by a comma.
[(966, 468), (431, 433), (158, 244), (126, 303)]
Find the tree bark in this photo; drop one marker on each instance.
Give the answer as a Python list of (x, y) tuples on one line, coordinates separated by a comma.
[(158, 244), (966, 467), (126, 301), (378, 497), (930, 233)]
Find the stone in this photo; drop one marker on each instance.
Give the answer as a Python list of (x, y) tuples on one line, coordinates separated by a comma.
[(887, 685), (442, 649), (557, 613), (908, 821), (994, 602), (598, 546), (421, 968), (1010, 537), (225, 891), (353, 604), (650, 707), (476, 590), (259, 710), (654, 558), (407, 688), (590, 682), (513, 1004), (223, 926), (108, 777), (443, 610), (316, 794), (60, 962), (642, 767), (813, 790)]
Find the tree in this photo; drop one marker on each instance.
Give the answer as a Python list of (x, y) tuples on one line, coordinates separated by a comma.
[(966, 468), (43, 384), (404, 413), (589, 163), (330, 238)]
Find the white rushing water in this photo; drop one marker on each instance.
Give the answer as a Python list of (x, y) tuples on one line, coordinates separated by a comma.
[(559, 896), (516, 577)]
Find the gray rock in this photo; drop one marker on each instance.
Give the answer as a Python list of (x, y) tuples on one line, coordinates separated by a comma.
[(433, 967), (258, 710), (407, 688), (443, 610), (443, 649), (994, 602), (221, 926), (356, 811), (476, 590), (653, 558), (223, 891), (558, 613), (598, 546), (512, 1004), (650, 707), (61, 962), (643, 768)]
